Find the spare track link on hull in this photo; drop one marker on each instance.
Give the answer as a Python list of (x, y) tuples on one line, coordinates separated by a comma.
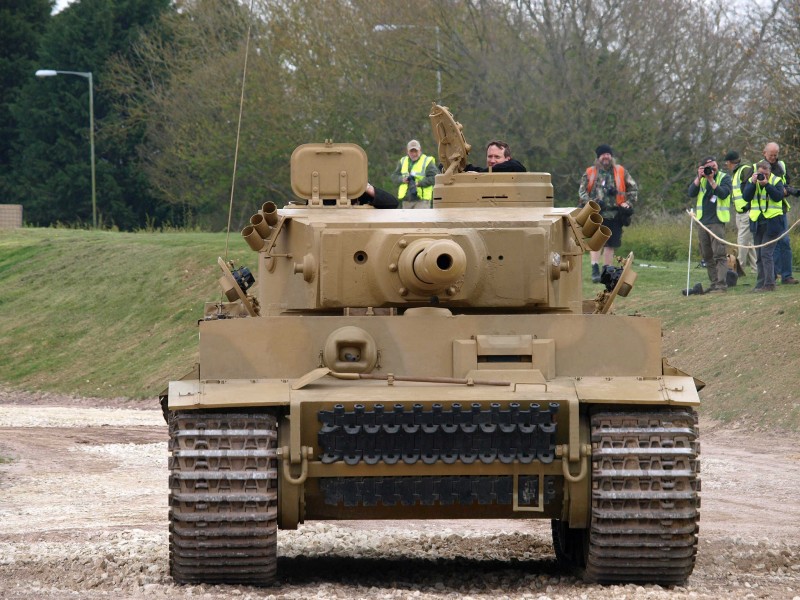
[(223, 497), (645, 502), (441, 491), (376, 433)]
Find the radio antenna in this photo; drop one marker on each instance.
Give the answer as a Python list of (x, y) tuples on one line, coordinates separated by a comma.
[(239, 127)]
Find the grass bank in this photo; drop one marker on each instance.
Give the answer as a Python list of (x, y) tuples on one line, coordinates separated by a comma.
[(101, 313), (113, 315)]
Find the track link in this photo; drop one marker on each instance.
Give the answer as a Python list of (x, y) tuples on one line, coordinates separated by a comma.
[(645, 502), (223, 497)]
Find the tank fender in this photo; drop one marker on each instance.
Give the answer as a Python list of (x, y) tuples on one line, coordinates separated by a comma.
[(221, 393), (667, 389)]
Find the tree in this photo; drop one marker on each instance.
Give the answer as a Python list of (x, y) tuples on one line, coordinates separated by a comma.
[(53, 153), (553, 78), (21, 25)]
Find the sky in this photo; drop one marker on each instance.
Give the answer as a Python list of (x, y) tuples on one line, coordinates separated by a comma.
[(61, 5)]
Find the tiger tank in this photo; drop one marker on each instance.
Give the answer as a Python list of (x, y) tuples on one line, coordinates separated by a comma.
[(429, 364)]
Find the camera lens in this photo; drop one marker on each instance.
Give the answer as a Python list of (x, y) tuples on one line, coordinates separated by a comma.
[(707, 170), (760, 177)]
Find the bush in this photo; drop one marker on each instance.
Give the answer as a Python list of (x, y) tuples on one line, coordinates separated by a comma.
[(665, 237)]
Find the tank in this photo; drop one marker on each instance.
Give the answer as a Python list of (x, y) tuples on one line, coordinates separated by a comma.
[(429, 364)]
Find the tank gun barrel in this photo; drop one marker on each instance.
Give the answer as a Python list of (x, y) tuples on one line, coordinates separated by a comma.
[(442, 262), (432, 265)]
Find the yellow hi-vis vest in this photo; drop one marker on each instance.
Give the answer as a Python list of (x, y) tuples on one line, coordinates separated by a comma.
[(418, 171), (736, 195), (723, 206), (783, 180), (763, 204)]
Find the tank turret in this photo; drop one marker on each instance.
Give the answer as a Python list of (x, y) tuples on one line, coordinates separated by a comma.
[(480, 253)]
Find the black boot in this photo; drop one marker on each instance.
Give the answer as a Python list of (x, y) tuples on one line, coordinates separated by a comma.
[(595, 273)]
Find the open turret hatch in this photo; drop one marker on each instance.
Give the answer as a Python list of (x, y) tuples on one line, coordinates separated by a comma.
[(329, 171)]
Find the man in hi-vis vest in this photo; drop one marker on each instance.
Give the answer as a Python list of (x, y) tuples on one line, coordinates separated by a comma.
[(783, 249), (712, 188), (740, 173), (764, 193), (416, 174)]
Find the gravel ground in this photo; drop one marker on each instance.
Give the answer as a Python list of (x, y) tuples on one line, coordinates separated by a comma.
[(83, 514)]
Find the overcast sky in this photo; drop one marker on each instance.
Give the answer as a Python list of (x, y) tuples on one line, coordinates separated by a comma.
[(60, 4)]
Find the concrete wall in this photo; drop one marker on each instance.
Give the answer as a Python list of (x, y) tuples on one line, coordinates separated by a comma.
[(10, 216)]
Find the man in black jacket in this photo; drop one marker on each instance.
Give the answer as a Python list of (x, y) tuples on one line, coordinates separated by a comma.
[(498, 160), (377, 197)]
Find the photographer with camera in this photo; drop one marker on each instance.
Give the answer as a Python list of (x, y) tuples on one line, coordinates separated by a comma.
[(783, 249), (712, 188), (740, 172), (764, 193), (416, 174), (613, 188)]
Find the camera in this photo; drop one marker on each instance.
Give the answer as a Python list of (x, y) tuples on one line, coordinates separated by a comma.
[(412, 187), (761, 177), (708, 171)]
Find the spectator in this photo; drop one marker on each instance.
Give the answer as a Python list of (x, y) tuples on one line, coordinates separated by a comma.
[(498, 160), (377, 198), (764, 193), (613, 188), (740, 173), (416, 174), (783, 249), (713, 191)]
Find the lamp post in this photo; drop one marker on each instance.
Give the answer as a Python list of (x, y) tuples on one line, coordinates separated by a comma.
[(52, 73)]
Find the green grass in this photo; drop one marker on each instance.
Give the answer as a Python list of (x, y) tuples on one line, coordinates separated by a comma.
[(744, 346), (114, 315), (100, 313)]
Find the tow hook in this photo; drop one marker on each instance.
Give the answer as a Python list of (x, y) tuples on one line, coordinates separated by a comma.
[(305, 453), (585, 452)]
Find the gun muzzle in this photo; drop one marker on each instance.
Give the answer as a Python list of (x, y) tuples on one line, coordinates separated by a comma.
[(430, 266)]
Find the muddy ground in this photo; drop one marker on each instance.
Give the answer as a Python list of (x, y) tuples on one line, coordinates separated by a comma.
[(83, 514)]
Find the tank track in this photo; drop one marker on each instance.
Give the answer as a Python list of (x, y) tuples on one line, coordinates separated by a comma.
[(645, 502), (429, 491), (223, 497), (449, 434)]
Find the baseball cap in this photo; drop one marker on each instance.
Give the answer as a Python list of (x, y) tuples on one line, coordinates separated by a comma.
[(413, 145)]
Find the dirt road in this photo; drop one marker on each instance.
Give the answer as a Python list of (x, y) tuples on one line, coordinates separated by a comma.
[(83, 513)]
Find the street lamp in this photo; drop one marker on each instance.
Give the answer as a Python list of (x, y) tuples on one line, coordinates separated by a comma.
[(52, 73)]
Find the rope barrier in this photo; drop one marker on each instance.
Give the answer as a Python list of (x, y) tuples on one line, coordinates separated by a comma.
[(690, 212), (694, 220)]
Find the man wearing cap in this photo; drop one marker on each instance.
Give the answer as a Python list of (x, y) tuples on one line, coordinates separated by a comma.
[(740, 173), (613, 188), (416, 174), (712, 188)]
